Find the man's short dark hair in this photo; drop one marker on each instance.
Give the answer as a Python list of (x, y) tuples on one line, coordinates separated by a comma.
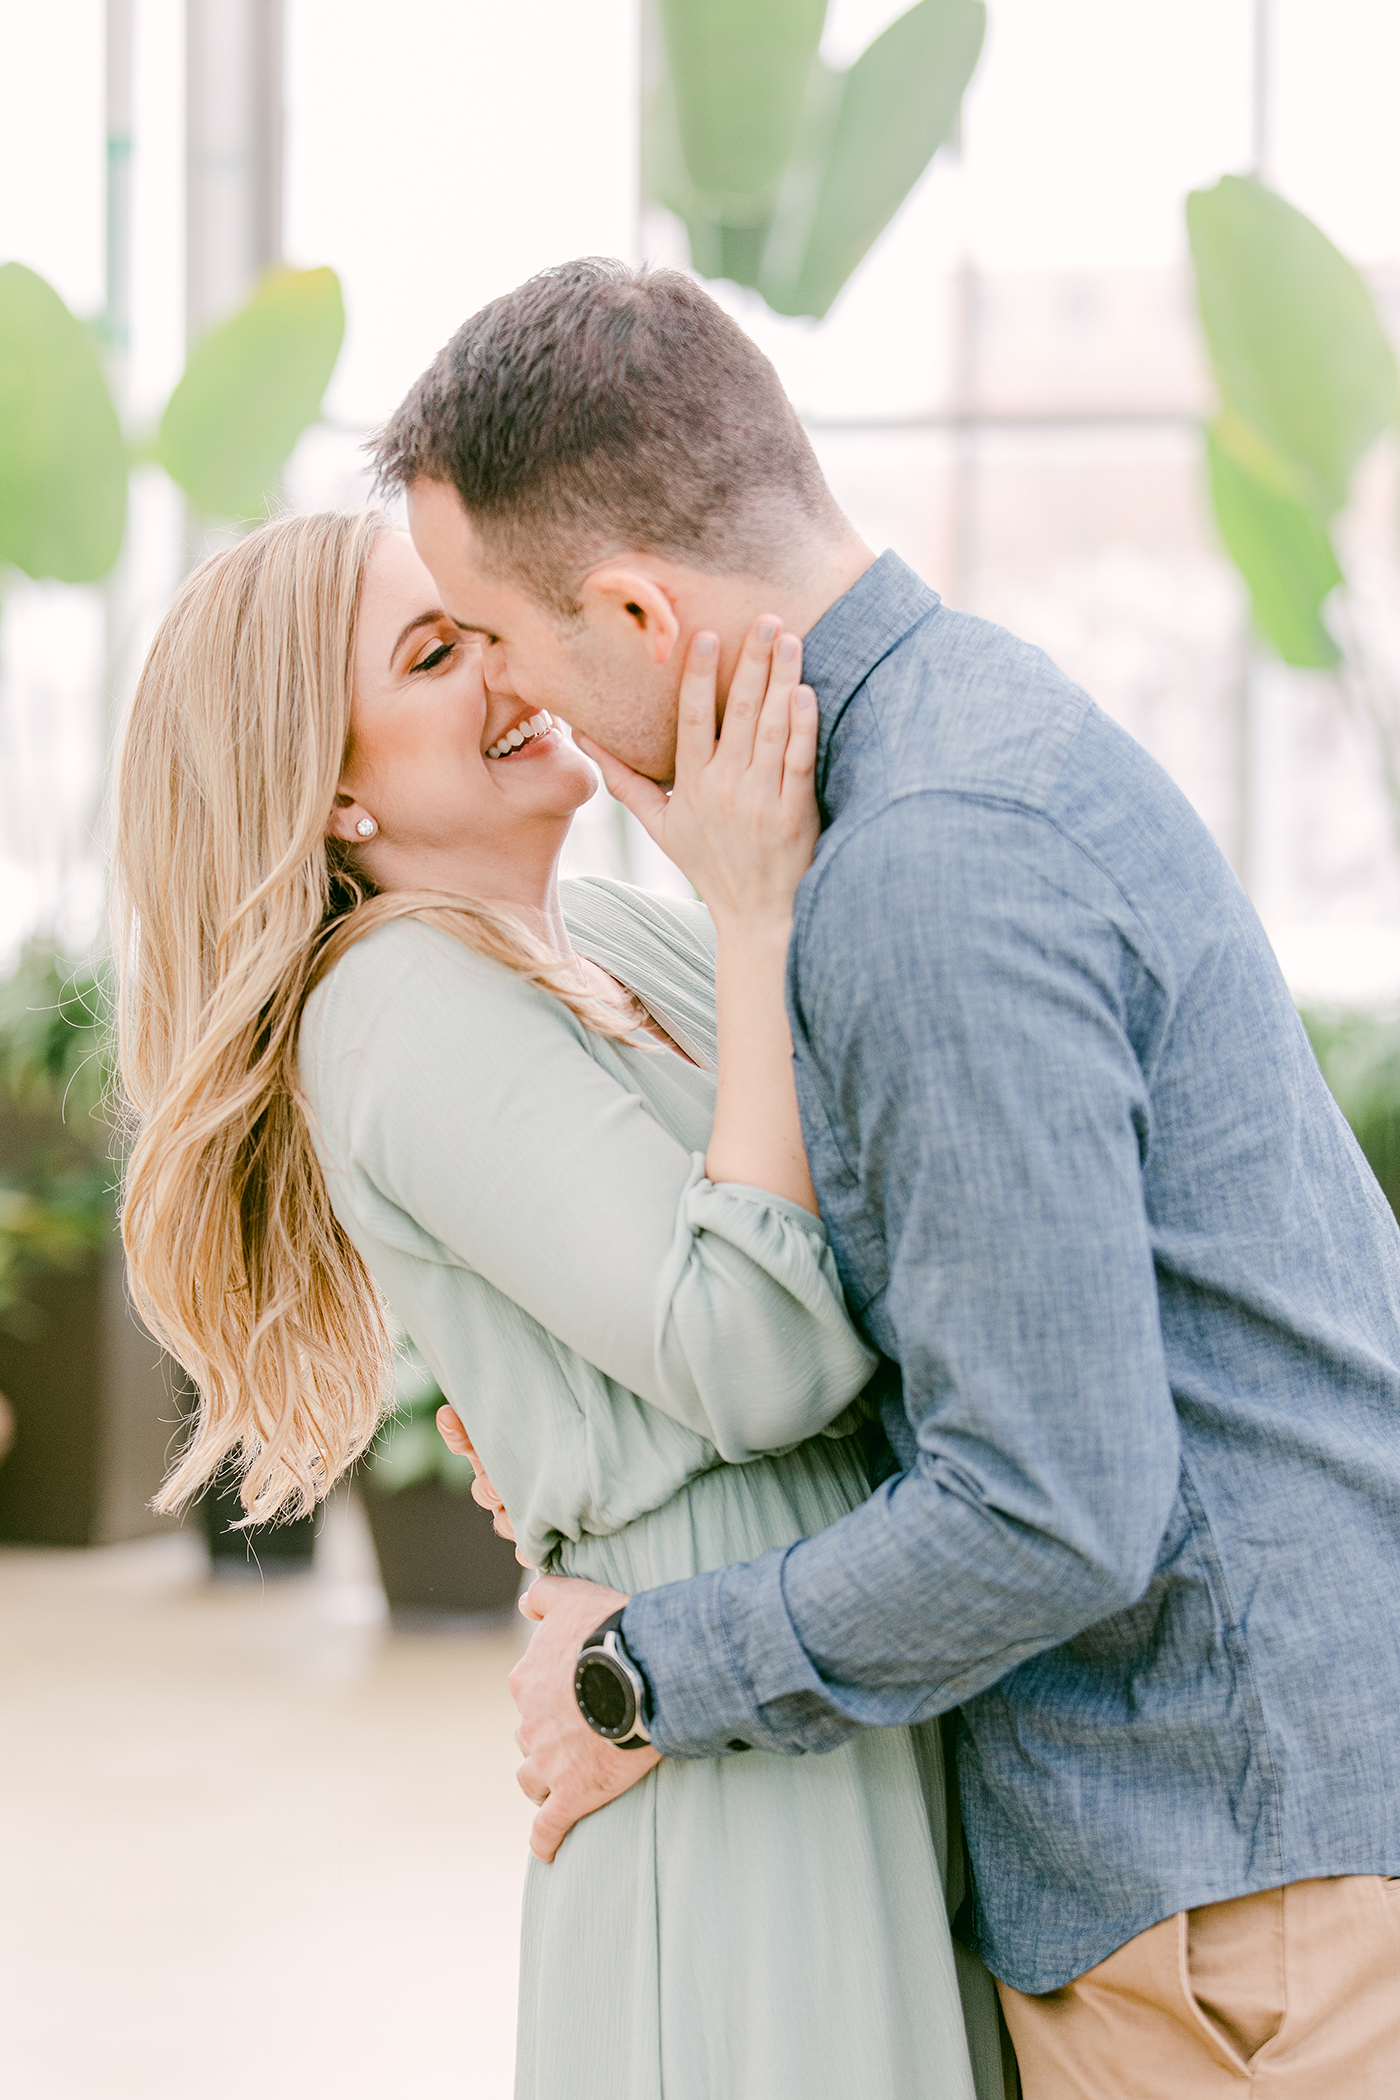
[(597, 409)]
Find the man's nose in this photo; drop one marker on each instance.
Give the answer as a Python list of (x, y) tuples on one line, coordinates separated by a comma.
[(495, 670)]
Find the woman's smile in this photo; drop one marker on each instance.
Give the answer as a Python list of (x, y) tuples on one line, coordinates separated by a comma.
[(527, 739), (426, 732)]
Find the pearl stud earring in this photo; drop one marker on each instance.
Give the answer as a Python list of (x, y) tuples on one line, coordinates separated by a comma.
[(367, 827)]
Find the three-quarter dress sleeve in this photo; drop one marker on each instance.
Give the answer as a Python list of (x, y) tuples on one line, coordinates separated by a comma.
[(476, 1109)]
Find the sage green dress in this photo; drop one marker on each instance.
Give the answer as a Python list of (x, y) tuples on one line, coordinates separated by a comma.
[(659, 1376)]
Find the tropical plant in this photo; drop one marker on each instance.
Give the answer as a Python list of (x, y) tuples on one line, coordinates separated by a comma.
[(63, 463), (784, 170), (408, 1448), (1307, 381), (250, 388), (57, 1175), (1360, 1058)]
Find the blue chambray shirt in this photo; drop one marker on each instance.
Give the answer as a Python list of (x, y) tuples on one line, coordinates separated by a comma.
[(1089, 1193)]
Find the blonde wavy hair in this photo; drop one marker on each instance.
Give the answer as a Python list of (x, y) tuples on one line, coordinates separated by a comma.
[(229, 904)]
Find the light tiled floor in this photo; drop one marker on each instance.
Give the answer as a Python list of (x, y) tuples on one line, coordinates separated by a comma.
[(253, 1843)]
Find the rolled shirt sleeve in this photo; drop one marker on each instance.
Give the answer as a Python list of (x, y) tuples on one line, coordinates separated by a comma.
[(480, 1121), (966, 987)]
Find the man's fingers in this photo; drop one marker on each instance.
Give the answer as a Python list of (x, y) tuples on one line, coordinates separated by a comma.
[(695, 719), (744, 701), (634, 791), (549, 1829), (532, 1782), (568, 1771)]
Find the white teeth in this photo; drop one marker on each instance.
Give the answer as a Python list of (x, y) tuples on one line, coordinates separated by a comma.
[(525, 733)]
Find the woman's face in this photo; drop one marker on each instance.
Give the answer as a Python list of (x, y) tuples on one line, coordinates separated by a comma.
[(465, 787)]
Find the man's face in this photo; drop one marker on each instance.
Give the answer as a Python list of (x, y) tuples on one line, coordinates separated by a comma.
[(597, 671)]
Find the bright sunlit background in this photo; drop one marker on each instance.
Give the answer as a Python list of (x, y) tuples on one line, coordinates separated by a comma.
[(1031, 293), (264, 1842)]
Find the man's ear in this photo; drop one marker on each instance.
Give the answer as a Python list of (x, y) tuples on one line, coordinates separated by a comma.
[(618, 592)]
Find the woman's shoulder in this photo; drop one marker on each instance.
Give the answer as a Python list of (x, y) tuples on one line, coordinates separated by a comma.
[(405, 957), (406, 986)]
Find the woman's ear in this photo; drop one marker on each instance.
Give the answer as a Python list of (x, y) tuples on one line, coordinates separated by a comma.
[(617, 592), (350, 821)]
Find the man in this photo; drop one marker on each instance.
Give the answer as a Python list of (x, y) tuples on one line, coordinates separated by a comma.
[(1138, 1292)]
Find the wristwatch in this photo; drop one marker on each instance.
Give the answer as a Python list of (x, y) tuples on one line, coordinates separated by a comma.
[(610, 1689)]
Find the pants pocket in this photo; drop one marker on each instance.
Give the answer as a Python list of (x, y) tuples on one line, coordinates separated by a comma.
[(1235, 1969)]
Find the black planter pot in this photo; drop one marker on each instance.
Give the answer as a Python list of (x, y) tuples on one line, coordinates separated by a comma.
[(95, 1413), (266, 1549), (437, 1551)]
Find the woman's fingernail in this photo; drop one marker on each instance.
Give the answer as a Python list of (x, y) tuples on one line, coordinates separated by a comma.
[(806, 697), (787, 648), (767, 631), (706, 644)]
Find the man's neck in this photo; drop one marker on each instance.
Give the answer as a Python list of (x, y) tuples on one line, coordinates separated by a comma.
[(827, 571), (836, 569)]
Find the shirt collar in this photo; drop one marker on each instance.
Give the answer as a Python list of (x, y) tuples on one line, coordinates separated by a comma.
[(852, 635)]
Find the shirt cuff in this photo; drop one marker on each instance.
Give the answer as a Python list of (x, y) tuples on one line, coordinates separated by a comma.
[(725, 1668)]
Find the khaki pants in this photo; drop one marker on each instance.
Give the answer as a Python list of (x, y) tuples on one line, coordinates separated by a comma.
[(1292, 1994)]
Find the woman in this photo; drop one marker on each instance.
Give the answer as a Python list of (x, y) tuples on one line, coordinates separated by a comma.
[(370, 1045)]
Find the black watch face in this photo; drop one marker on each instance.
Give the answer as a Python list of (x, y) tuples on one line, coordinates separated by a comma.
[(605, 1697)]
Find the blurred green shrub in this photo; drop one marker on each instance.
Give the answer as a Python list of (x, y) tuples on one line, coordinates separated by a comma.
[(57, 1174), (58, 1183), (784, 170), (408, 1448), (1360, 1058)]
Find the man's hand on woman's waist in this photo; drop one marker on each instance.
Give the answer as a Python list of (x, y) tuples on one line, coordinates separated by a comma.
[(569, 1771)]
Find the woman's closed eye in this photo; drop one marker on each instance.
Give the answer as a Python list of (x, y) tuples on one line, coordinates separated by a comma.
[(434, 657)]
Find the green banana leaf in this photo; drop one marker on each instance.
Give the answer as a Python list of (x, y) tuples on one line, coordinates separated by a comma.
[(63, 464), (250, 389), (784, 171), (1298, 348), (721, 118), (1280, 549), (739, 73), (898, 104)]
